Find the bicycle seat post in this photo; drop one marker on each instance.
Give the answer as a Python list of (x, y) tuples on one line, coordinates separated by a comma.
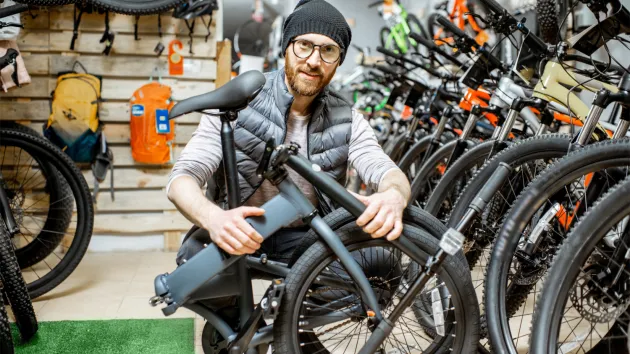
[(229, 158)]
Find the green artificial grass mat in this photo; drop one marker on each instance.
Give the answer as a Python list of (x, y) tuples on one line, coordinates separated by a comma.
[(111, 336)]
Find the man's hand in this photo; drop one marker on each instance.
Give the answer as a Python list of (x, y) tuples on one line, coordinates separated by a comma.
[(383, 215), (229, 230)]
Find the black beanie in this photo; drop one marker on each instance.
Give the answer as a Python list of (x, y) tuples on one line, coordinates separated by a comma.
[(317, 16)]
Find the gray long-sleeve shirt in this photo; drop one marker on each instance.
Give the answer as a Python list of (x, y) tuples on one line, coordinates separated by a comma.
[(202, 155)]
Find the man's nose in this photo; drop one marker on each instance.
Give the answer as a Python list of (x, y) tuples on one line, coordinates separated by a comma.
[(314, 60)]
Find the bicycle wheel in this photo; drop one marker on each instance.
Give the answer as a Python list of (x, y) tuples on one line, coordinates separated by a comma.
[(388, 269), (431, 172), (41, 230), (45, 2), (252, 38), (528, 158), (137, 7), (542, 215), (584, 301), (443, 198), (413, 216), (57, 266), (6, 339), (15, 288), (416, 26), (547, 16), (387, 41)]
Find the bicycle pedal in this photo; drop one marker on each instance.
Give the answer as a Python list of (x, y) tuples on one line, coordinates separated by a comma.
[(272, 300), (156, 300)]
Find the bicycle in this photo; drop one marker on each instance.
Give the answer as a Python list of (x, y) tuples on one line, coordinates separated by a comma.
[(400, 25), (198, 278)]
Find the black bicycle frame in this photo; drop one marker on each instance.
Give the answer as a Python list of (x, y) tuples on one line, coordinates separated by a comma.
[(198, 278)]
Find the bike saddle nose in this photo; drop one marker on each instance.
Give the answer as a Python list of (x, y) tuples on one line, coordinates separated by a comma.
[(233, 96)]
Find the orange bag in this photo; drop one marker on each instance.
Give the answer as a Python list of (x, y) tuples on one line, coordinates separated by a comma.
[(152, 134)]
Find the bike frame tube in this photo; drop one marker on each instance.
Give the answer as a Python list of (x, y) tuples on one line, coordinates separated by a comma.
[(551, 87)]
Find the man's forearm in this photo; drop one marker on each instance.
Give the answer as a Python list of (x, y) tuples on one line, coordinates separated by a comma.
[(189, 199), (396, 179)]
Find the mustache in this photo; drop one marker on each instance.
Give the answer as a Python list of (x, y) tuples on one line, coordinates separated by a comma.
[(308, 70)]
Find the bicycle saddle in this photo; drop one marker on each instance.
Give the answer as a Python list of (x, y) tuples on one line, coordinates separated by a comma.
[(233, 96)]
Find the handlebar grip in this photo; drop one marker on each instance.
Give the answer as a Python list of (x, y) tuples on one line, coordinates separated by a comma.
[(449, 95), (12, 10), (387, 52), (450, 26), (493, 6), (499, 176), (425, 42), (385, 69)]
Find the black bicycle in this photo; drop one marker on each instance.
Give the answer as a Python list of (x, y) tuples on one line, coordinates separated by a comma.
[(346, 290)]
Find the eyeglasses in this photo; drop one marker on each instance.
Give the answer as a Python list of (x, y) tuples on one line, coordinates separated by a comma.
[(303, 49)]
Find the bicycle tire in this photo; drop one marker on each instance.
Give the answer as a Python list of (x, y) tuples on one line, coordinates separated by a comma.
[(414, 154), (137, 7), (15, 288), (591, 158), (452, 272), (84, 207), (385, 42), (57, 219), (6, 339), (412, 19), (428, 169), (445, 188), (547, 17), (46, 2), (341, 217), (609, 210)]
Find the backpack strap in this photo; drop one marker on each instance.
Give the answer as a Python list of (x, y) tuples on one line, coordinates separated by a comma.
[(208, 24), (160, 25), (135, 28), (191, 30), (77, 22), (108, 36), (79, 64)]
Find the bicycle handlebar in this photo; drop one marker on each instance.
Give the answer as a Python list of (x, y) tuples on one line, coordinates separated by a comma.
[(374, 4), (493, 6), (431, 45), (388, 70), (450, 26), (403, 59)]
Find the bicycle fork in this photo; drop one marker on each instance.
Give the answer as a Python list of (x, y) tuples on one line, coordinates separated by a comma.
[(5, 210), (450, 244)]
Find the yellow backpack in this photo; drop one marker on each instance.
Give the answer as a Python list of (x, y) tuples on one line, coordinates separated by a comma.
[(74, 125)]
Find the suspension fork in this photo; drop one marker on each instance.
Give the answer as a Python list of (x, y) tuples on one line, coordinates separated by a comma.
[(450, 244), (5, 210), (475, 113), (437, 135)]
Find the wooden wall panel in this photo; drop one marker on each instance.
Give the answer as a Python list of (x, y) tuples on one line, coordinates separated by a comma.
[(141, 205)]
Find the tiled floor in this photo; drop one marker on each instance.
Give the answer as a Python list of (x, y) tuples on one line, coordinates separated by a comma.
[(115, 286)]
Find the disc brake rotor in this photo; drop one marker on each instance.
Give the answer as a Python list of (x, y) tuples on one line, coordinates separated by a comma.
[(595, 302)]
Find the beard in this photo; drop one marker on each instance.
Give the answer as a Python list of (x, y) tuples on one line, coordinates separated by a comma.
[(302, 86)]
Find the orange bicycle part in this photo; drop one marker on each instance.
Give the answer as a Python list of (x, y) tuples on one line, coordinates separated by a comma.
[(457, 17), (566, 218)]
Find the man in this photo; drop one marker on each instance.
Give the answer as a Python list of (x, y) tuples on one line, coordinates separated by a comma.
[(295, 105)]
